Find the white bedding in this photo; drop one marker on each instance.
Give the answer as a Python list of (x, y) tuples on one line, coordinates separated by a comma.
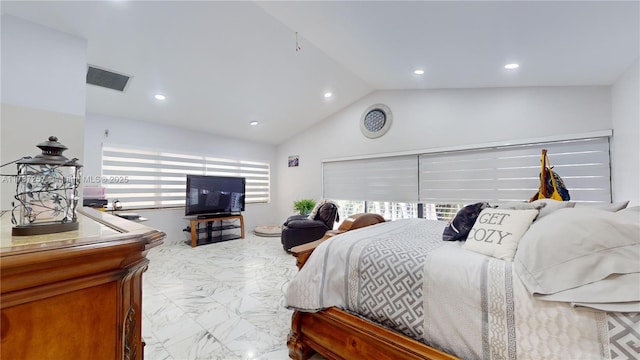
[(585, 256), (402, 275)]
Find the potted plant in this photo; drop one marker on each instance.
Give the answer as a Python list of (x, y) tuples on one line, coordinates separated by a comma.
[(304, 206)]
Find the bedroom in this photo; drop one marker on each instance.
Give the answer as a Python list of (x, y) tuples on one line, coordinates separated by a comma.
[(592, 106)]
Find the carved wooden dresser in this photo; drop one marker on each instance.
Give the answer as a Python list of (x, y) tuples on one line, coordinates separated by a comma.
[(75, 294)]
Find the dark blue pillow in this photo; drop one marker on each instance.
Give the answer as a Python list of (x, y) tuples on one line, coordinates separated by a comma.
[(461, 224)]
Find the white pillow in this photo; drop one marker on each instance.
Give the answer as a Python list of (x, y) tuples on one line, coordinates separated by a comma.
[(613, 207), (550, 206), (497, 232), (521, 205), (575, 247), (632, 211)]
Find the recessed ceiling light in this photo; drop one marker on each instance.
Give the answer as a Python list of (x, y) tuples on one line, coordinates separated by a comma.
[(511, 66), (159, 97), (328, 95), (418, 72), (253, 123)]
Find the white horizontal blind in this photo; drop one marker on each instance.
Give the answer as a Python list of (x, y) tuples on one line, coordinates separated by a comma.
[(151, 178), (512, 173), (257, 175), (378, 179)]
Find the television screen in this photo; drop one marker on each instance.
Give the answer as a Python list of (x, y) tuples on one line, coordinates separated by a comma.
[(214, 195)]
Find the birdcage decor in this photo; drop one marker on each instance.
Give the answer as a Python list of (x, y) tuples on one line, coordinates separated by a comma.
[(46, 192)]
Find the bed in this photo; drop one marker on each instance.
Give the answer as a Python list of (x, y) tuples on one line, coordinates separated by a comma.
[(395, 290)]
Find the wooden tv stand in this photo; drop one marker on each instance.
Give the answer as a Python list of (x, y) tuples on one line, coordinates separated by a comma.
[(210, 221)]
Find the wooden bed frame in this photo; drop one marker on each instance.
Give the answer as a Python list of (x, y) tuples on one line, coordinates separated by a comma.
[(337, 334)]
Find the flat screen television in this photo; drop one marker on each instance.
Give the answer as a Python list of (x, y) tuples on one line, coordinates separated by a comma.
[(214, 195)]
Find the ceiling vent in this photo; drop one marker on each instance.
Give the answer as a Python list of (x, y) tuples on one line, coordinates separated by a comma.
[(107, 79)]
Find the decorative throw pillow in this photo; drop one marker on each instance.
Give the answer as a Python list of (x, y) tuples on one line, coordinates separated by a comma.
[(497, 232), (459, 226), (520, 205), (550, 206)]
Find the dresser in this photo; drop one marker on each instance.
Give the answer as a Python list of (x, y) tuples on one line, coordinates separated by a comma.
[(75, 294)]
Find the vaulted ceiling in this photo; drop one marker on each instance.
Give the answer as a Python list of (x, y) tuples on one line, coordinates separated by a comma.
[(224, 64)]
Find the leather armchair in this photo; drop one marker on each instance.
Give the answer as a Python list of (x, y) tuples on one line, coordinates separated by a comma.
[(299, 229)]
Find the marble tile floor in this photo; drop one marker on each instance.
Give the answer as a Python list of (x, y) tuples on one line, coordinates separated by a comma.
[(217, 301)]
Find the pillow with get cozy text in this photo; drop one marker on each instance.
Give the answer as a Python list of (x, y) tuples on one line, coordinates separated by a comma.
[(497, 231)]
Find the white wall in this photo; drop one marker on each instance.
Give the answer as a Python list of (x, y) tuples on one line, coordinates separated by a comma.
[(155, 136), (43, 93), (427, 119), (625, 148), (42, 68)]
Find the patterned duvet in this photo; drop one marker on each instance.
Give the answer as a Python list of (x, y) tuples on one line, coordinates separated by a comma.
[(402, 275)]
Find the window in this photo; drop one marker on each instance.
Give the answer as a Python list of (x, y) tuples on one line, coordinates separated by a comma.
[(451, 180), (378, 179), (150, 178), (393, 210), (511, 173), (388, 210), (445, 181), (441, 211)]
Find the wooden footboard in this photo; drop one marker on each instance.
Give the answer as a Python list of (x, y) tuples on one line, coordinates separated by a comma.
[(337, 334)]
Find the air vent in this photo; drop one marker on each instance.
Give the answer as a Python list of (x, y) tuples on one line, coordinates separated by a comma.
[(376, 121), (107, 79)]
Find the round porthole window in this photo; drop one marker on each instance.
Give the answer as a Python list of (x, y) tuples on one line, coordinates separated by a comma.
[(376, 121)]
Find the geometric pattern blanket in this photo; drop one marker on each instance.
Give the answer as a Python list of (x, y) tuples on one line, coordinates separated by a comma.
[(400, 274)]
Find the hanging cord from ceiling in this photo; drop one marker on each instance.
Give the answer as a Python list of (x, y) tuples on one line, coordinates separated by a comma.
[(298, 48)]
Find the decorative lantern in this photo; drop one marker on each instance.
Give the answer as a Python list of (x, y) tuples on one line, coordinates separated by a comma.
[(47, 192)]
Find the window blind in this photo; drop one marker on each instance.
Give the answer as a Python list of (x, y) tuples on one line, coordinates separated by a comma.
[(445, 181), (378, 179), (512, 173), (150, 178)]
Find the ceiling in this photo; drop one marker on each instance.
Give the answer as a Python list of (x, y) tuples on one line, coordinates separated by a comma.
[(223, 64)]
